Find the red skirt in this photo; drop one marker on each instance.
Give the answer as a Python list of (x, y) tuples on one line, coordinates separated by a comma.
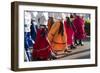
[(42, 54)]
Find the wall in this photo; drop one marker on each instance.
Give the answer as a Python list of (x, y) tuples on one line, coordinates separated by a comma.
[(5, 32)]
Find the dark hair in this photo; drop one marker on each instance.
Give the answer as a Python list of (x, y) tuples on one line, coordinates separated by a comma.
[(68, 22), (61, 28), (44, 30), (51, 21)]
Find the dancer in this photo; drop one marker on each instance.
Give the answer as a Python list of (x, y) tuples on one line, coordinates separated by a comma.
[(42, 49), (80, 31), (69, 27), (57, 37)]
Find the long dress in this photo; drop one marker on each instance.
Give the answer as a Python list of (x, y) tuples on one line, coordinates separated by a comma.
[(41, 49), (79, 25), (58, 41), (70, 33)]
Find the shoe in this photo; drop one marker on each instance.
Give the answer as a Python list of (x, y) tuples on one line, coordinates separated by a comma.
[(73, 47), (76, 44), (53, 57), (67, 51), (81, 44)]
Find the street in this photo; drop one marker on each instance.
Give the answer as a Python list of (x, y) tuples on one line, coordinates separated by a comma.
[(81, 52)]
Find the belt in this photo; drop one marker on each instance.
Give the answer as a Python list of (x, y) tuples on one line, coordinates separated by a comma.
[(58, 42), (42, 48)]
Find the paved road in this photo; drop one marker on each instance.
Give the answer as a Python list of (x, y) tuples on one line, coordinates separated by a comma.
[(81, 52)]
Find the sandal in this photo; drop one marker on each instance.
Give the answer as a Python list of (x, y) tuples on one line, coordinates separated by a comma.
[(66, 50)]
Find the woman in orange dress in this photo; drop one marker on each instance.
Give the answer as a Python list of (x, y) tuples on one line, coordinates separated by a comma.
[(57, 38)]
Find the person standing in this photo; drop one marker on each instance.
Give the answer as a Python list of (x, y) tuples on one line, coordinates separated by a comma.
[(57, 37), (80, 31), (28, 44), (70, 32), (42, 49), (33, 29)]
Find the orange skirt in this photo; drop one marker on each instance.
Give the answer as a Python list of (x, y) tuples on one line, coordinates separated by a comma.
[(58, 46)]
